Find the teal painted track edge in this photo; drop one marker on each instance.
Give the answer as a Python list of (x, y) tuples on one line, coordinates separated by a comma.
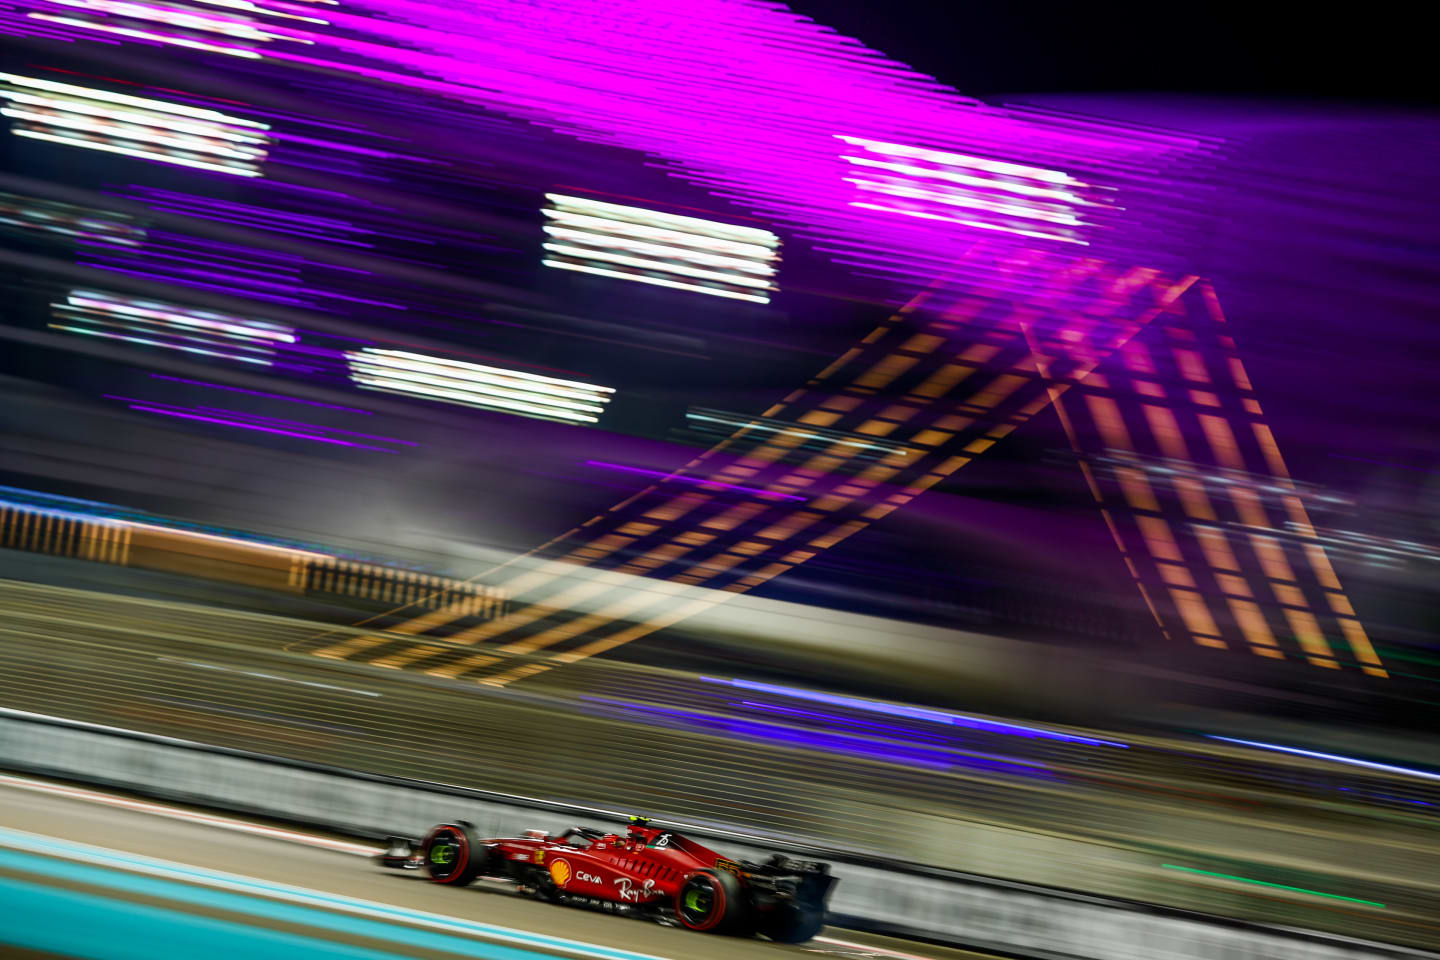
[(34, 853)]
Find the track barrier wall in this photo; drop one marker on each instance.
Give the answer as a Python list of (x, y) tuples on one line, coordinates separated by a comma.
[(38, 529), (982, 913)]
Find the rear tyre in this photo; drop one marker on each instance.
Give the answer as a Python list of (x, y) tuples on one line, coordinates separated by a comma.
[(791, 924), (453, 855), (712, 901)]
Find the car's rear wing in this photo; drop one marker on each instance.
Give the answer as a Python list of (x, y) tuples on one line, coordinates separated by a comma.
[(803, 881)]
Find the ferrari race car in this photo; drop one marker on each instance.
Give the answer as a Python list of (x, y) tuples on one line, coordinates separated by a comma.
[(647, 871)]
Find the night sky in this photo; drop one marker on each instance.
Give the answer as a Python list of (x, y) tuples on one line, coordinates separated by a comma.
[(991, 50)]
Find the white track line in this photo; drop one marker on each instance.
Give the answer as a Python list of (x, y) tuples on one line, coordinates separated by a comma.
[(870, 949), (190, 816)]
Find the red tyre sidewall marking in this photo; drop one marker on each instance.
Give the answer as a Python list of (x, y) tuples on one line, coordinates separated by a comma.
[(462, 858), (716, 915)]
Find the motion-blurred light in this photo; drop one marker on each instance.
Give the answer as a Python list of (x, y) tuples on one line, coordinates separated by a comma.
[(476, 385), (965, 190), (156, 324), (133, 126), (664, 249), (138, 20), (52, 219)]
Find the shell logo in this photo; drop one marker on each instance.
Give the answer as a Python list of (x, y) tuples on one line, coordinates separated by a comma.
[(560, 872)]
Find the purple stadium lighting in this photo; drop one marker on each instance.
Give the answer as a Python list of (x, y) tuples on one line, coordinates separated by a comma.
[(770, 134), (247, 421), (909, 754), (259, 393), (698, 481), (865, 726), (253, 426), (916, 713)]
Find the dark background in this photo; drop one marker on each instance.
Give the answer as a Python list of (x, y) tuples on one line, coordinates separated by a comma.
[(1345, 52)]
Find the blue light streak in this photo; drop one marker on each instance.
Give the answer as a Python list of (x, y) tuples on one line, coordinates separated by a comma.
[(915, 713), (909, 754)]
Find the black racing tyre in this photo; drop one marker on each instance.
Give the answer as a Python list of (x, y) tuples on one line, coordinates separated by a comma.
[(541, 886), (453, 855), (791, 924), (712, 901)]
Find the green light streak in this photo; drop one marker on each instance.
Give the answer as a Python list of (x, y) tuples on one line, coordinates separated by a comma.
[(1278, 886)]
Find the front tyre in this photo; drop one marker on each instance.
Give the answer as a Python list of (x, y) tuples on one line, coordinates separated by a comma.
[(712, 901), (453, 855)]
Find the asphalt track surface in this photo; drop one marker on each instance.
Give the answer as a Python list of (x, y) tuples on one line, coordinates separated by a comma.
[(1086, 816), (90, 874), (1212, 827)]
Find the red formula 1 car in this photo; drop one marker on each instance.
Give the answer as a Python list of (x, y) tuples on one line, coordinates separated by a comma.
[(646, 871)]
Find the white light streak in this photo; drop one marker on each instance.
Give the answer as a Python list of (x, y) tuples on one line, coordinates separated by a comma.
[(459, 385), (133, 126), (687, 225), (239, 28), (478, 385), (570, 250), (961, 200), (661, 249), (130, 116), (127, 100), (138, 154), (960, 160), (147, 35), (256, 8), (641, 247), (202, 332), (968, 180), (129, 131), (656, 281), (930, 184), (970, 223), (166, 313), (627, 229), (1333, 757), (156, 343), (67, 220)]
